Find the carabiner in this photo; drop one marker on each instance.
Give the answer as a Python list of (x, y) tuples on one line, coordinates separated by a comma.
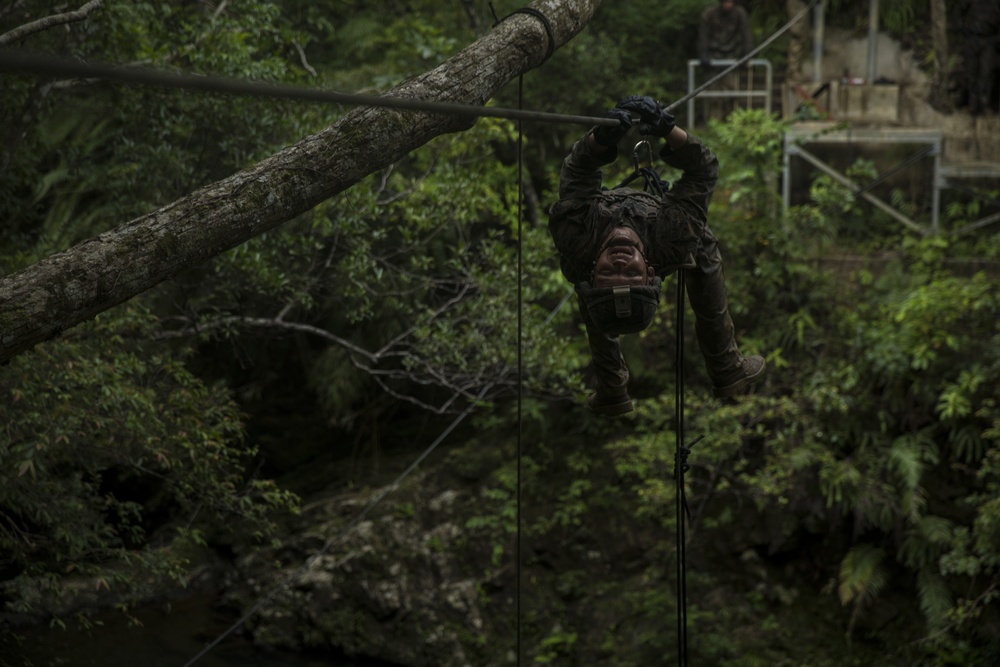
[(635, 154)]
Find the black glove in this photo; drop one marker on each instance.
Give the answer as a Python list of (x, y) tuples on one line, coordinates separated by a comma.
[(655, 120), (610, 135), (705, 62)]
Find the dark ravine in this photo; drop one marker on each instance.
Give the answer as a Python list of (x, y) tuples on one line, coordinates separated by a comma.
[(429, 577), (170, 635)]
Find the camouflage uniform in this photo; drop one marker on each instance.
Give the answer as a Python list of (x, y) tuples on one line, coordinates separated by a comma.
[(675, 234), (724, 33), (979, 26)]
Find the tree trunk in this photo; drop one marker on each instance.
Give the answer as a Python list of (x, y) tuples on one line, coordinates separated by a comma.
[(75, 285), (797, 38)]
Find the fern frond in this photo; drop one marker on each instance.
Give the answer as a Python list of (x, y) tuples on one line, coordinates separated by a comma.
[(936, 529), (904, 458), (935, 598), (861, 574), (861, 579)]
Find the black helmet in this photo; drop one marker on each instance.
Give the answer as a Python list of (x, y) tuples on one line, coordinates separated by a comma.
[(620, 310)]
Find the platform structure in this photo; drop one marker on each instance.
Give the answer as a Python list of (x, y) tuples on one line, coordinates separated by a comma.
[(751, 93), (843, 100), (801, 138), (950, 174)]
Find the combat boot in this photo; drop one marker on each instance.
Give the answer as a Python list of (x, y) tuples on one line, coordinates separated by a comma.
[(609, 405), (731, 373), (741, 380)]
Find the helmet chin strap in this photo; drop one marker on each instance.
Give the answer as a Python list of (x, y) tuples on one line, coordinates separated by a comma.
[(623, 300)]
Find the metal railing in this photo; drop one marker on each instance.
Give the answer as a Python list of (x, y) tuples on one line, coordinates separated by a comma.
[(749, 93)]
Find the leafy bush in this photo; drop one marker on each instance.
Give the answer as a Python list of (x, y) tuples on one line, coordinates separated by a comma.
[(118, 466)]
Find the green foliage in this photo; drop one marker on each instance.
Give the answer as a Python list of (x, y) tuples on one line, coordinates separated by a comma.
[(121, 464), (96, 155), (409, 283), (899, 18), (922, 353), (553, 649), (861, 578), (118, 465), (498, 521), (935, 598)]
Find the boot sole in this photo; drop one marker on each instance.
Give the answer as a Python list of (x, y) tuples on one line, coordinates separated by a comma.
[(611, 409), (737, 388)]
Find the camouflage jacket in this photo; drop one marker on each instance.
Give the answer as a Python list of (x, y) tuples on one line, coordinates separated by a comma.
[(669, 227)]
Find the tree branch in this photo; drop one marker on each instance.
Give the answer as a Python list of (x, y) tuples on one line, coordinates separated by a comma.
[(49, 22), (262, 322), (73, 286), (461, 385), (302, 59)]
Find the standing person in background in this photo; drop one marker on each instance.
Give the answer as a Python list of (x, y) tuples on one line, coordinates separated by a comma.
[(979, 27), (724, 34)]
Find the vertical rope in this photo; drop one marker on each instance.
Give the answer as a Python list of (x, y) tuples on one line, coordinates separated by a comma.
[(520, 322), (520, 264), (679, 465)]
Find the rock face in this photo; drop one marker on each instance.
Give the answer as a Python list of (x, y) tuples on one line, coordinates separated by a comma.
[(427, 576), (396, 586)]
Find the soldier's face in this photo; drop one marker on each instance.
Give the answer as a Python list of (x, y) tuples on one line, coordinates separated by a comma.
[(620, 261)]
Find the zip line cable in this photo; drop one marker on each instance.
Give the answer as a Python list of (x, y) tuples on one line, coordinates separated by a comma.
[(52, 66), (46, 65), (680, 467)]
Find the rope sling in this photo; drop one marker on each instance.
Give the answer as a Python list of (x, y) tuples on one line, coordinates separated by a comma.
[(653, 184)]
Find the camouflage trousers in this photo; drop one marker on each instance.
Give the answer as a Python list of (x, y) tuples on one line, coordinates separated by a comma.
[(706, 290)]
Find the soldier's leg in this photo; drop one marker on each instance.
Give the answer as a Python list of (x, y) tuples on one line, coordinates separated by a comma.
[(731, 373)]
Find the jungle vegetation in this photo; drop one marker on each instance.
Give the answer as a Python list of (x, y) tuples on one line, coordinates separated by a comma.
[(169, 427)]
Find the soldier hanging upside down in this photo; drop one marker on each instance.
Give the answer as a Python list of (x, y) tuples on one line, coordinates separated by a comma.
[(615, 244)]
